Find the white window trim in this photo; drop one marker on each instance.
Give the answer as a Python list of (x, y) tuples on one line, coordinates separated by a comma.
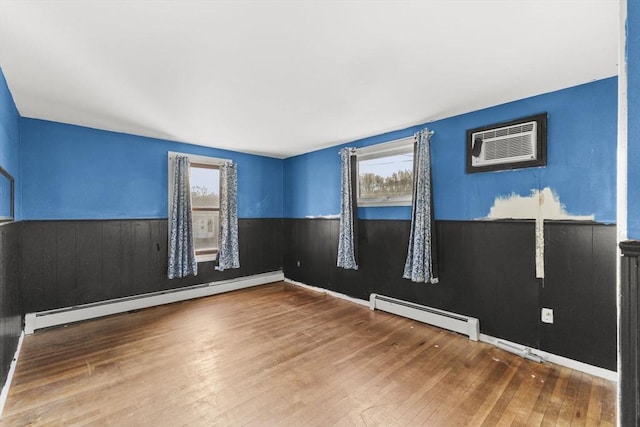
[(193, 158), (398, 146)]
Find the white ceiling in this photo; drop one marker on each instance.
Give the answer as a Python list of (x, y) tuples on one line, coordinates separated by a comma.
[(286, 77)]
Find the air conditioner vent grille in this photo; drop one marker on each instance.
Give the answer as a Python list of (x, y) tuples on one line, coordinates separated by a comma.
[(509, 145), (511, 130), (515, 143), (515, 146)]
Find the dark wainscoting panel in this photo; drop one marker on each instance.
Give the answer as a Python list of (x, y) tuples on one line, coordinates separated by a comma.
[(580, 286), (630, 334), (309, 251), (487, 270), (11, 312), (66, 263)]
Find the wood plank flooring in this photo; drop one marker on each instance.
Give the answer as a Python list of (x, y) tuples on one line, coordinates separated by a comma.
[(282, 355)]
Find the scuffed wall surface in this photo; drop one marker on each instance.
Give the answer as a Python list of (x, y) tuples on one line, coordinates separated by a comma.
[(581, 161), (543, 203)]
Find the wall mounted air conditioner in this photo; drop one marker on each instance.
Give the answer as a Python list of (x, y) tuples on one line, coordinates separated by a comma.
[(516, 144)]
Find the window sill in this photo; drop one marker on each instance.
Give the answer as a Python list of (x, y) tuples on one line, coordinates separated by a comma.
[(383, 203), (206, 258)]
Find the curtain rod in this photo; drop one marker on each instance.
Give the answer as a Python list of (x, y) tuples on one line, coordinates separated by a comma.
[(393, 141)]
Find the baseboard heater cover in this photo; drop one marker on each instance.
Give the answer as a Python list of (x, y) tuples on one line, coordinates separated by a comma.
[(522, 351), (63, 316), (443, 319)]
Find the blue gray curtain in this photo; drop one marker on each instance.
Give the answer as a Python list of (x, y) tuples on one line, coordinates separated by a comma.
[(228, 253), (182, 254), (348, 232), (421, 265)]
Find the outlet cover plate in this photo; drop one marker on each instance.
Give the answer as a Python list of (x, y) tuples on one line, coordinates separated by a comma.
[(547, 315)]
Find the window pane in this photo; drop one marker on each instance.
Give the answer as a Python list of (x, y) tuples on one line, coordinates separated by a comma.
[(205, 187), (386, 176), (205, 230), (5, 197)]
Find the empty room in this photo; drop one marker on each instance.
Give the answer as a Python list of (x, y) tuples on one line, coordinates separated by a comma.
[(319, 212)]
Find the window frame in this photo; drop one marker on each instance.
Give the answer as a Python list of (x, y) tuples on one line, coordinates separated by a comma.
[(200, 161), (4, 175), (386, 149), (205, 254)]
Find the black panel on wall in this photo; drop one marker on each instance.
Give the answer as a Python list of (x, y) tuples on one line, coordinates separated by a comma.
[(381, 243), (580, 287), (498, 276), (67, 263), (630, 334), (308, 251), (487, 270), (11, 312)]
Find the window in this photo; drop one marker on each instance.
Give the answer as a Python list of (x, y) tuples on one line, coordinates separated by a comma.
[(6, 196), (205, 208), (204, 180), (385, 174)]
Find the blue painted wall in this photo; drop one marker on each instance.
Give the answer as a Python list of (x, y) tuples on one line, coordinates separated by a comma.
[(73, 172), (581, 167), (10, 138), (312, 180), (633, 119)]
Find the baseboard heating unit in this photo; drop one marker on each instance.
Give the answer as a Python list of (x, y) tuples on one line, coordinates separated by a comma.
[(62, 316), (519, 350), (443, 319)]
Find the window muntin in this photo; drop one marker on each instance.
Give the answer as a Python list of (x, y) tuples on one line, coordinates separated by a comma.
[(385, 174)]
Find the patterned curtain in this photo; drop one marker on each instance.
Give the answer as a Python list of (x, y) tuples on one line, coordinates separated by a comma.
[(182, 254), (228, 253), (420, 265), (348, 237)]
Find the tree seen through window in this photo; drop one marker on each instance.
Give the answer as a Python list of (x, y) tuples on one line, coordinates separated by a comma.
[(386, 176)]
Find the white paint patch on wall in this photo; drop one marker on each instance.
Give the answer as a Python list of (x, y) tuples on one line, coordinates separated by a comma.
[(544, 204), (540, 205)]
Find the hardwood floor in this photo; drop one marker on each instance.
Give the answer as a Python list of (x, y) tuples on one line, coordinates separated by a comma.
[(283, 355)]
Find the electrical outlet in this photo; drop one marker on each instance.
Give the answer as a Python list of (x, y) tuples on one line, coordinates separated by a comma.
[(547, 315)]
